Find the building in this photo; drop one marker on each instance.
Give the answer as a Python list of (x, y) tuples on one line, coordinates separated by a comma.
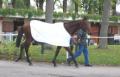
[(114, 28)]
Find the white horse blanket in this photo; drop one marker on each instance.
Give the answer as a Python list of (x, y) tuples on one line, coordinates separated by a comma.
[(54, 34)]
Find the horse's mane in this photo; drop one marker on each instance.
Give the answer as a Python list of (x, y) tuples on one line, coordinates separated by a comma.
[(73, 22)]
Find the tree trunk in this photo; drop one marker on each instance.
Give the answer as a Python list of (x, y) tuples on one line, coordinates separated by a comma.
[(1, 3), (64, 6), (49, 11), (105, 24), (13, 3), (49, 17), (39, 4), (27, 3), (76, 7)]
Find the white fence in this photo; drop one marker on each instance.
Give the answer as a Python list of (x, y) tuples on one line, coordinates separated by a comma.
[(11, 36), (7, 36)]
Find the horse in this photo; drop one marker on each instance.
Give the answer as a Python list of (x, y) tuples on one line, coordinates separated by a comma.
[(71, 27)]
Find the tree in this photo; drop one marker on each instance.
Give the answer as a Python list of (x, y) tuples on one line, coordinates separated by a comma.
[(64, 6), (13, 3), (105, 24), (76, 7), (49, 11), (27, 3), (92, 6), (1, 3), (100, 7), (48, 17), (39, 4), (113, 4), (20, 3)]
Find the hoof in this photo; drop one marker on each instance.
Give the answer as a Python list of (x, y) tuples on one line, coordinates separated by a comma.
[(76, 65), (30, 64), (17, 60), (54, 63)]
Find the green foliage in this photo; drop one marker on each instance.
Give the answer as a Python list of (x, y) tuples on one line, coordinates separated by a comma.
[(7, 46), (91, 17), (114, 18), (7, 50), (33, 12), (20, 12), (20, 4), (58, 14)]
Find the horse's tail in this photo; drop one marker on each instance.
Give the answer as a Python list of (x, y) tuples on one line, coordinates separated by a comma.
[(19, 36)]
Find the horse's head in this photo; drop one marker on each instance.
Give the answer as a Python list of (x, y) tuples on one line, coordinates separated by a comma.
[(85, 25)]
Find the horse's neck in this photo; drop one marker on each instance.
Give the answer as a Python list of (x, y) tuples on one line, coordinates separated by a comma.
[(26, 22), (72, 27)]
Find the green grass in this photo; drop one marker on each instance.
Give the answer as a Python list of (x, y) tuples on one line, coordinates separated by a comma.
[(109, 56)]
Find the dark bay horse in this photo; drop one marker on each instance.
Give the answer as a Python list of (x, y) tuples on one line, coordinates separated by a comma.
[(71, 27)]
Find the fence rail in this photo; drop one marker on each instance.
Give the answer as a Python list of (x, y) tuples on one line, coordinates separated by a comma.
[(7, 36), (11, 37)]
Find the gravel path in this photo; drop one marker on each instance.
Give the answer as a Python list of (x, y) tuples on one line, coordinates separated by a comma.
[(22, 69)]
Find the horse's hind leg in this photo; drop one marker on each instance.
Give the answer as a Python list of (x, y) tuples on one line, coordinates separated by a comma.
[(21, 52), (69, 51), (56, 54)]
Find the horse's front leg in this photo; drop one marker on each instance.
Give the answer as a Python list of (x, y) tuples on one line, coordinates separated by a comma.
[(27, 45), (71, 54), (56, 54), (21, 52)]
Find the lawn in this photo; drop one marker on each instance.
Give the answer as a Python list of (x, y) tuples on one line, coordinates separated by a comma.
[(109, 56)]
